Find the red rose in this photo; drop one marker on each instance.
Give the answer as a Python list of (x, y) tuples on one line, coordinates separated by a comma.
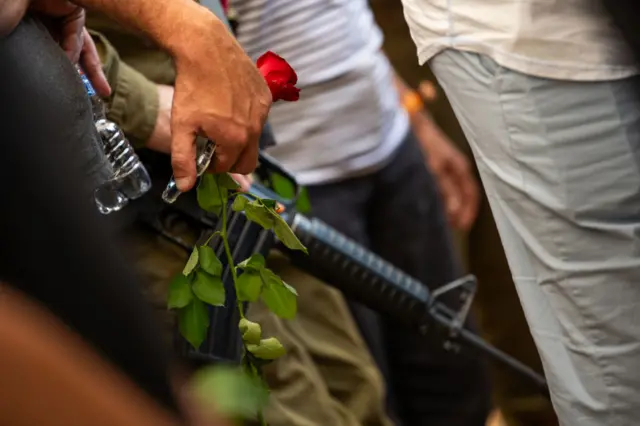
[(225, 5), (280, 77)]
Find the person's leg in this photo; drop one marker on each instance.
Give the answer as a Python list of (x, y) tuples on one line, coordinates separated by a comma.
[(157, 261), (498, 311), (503, 324), (327, 376), (561, 167), (408, 227), (343, 205)]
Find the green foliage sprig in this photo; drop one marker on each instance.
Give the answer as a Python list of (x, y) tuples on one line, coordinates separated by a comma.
[(200, 284)]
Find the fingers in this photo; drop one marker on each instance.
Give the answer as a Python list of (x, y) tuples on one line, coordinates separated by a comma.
[(471, 205), (226, 156), (92, 66), (238, 151), (72, 34), (469, 194), (248, 159), (183, 157), (451, 197), (245, 181)]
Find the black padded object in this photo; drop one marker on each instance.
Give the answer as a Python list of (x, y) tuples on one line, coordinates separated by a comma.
[(54, 245)]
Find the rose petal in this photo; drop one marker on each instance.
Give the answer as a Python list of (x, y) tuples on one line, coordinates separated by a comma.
[(290, 93), (280, 77), (270, 63)]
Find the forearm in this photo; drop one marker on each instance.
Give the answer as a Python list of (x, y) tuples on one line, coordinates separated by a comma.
[(167, 22), (11, 12)]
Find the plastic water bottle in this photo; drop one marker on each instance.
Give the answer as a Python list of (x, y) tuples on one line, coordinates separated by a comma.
[(130, 179)]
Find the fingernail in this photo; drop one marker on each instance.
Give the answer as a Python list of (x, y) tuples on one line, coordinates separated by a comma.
[(183, 183)]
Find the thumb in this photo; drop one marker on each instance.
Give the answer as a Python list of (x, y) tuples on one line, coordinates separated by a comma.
[(183, 158)]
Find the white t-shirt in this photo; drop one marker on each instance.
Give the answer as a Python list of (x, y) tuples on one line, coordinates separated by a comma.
[(559, 39), (348, 120)]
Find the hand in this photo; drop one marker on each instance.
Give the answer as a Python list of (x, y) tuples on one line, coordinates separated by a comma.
[(11, 13), (218, 93), (452, 169), (160, 139), (92, 66), (245, 181), (65, 22)]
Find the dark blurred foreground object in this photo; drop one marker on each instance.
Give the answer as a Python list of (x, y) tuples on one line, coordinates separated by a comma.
[(51, 377), (54, 246)]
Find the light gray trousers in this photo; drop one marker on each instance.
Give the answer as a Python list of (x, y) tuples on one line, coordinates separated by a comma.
[(560, 162)]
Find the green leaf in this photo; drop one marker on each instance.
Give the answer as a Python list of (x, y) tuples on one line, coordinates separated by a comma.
[(191, 263), (211, 197), (271, 204), (286, 235), (225, 180), (259, 214), (209, 261), (255, 262), (249, 285), (194, 322), (239, 203), (269, 348), (180, 294), (209, 289), (303, 205), (251, 331), (232, 391), (282, 186), (281, 299), (291, 289)]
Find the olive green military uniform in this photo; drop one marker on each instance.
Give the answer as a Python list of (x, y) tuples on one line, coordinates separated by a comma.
[(328, 377)]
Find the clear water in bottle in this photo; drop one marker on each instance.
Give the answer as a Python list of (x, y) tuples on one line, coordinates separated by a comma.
[(130, 178)]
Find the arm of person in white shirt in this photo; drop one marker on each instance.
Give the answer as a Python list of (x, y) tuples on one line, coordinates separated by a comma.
[(452, 168)]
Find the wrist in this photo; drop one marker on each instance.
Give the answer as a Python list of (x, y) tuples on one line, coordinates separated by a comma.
[(419, 119), (193, 21), (412, 102)]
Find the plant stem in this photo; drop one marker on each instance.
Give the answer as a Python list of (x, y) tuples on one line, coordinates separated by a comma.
[(234, 276), (227, 250), (206, 243), (261, 419)]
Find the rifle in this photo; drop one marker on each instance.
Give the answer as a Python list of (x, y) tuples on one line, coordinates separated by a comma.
[(361, 275)]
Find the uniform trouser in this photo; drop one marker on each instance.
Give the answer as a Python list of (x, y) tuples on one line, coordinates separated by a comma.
[(327, 376), (502, 322), (499, 313), (560, 165), (397, 212)]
